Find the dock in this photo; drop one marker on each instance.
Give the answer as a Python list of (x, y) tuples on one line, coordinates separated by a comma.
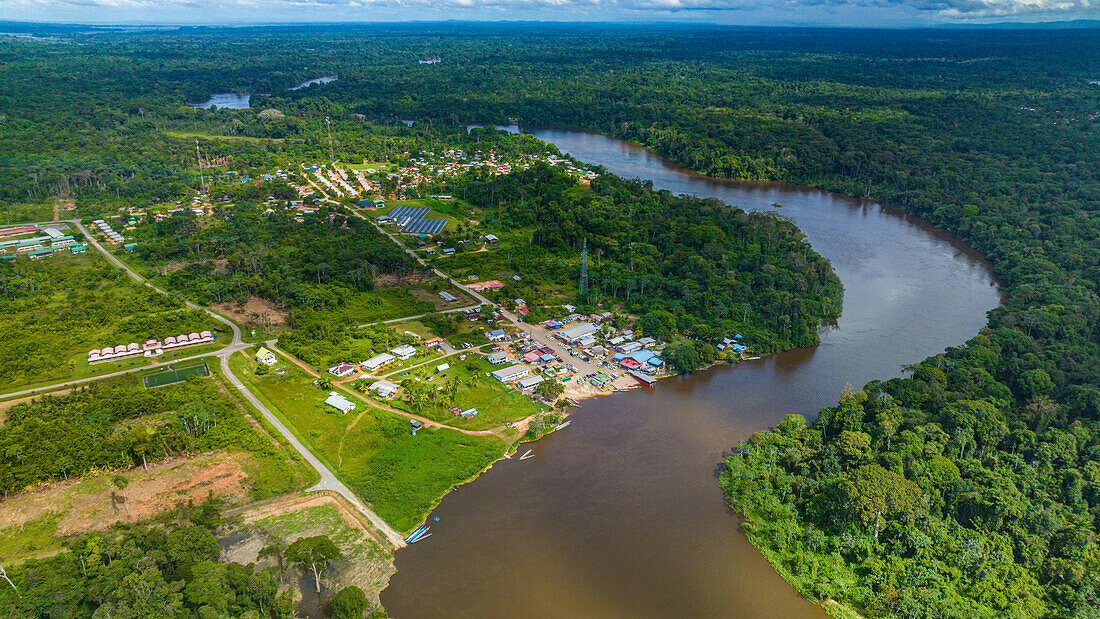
[(645, 379)]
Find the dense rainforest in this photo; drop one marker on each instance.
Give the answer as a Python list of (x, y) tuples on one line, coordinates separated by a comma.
[(684, 265), (969, 487)]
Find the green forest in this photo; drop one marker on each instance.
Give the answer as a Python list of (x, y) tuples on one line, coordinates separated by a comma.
[(967, 487), (684, 265)]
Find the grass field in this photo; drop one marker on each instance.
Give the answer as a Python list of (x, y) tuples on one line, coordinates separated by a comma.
[(32, 537), (400, 475), (26, 213), (375, 305), (169, 377), (68, 305), (496, 403)]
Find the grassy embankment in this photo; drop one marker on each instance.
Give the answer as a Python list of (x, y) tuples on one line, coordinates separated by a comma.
[(400, 475)]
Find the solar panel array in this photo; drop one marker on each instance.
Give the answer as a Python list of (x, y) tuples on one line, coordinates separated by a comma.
[(411, 218), (412, 212), (424, 226)]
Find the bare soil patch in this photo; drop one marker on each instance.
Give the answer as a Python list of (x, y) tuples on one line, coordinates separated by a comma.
[(386, 281), (255, 312), (92, 503)]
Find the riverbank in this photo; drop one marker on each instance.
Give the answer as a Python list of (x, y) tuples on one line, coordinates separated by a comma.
[(642, 465)]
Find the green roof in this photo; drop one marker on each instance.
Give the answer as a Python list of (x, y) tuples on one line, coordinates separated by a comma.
[(45, 251), (130, 246), (7, 257), (29, 243)]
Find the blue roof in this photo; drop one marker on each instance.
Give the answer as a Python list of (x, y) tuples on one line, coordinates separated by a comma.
[(656, 362), (618, 357), (547, 357), (642, 356)]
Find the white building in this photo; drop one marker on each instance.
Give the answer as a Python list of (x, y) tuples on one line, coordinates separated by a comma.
[(339, 402), (496, 335), (342, 369), (529, 383), (378, 361), (511, 373), (498, 358), (576, 332), (384, 388), (404, 352)]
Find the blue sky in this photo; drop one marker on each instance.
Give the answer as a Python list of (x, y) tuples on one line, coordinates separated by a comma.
[(747, 12)]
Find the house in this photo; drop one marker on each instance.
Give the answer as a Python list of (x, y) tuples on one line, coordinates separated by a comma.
[(529, 383), (263, 355), (531, 357), (130, 246), (442, 367), (404, 352), (485, 285), (496, 335), (339, 402), (600, 379), (384, 389), (629, 347), (433, 341), (647, 341), (447, 251), (511, 373), (378, 361), (448, 297), (498, 358), (586, 341), (491, 239), (342, 369)]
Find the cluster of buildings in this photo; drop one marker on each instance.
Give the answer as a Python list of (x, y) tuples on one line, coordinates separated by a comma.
[(38, 246), (108, 230), (151, 348), (403, 352)]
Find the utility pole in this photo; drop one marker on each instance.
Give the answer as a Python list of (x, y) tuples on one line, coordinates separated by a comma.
[(582, 289), (328, 123), (198, 161)]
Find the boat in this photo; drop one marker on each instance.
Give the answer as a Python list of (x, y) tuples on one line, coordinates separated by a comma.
[(526, 455), (416, 534), (563, 425), (416, 537)]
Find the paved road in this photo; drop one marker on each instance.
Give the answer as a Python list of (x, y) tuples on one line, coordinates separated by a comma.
[(328, 481)]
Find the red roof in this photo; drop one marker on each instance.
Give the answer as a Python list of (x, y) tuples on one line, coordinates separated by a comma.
[(19, 230), (630, 364)]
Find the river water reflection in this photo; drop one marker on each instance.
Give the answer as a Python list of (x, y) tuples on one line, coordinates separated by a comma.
[(620, 515)]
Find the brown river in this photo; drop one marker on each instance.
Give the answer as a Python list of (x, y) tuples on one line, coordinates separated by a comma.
[(620, 514)]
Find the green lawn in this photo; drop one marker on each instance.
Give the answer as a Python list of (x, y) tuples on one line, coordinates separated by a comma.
[(496, 403), (400, 475)]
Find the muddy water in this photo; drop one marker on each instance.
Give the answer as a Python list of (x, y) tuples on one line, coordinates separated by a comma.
[(620, 515)]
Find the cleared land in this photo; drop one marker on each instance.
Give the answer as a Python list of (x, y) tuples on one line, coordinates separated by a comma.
[(373, 451), (366, 563)]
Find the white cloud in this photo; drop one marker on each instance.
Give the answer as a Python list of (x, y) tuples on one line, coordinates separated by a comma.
[(742, 11)]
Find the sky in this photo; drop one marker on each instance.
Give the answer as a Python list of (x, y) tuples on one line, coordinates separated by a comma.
[(855, 13)]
